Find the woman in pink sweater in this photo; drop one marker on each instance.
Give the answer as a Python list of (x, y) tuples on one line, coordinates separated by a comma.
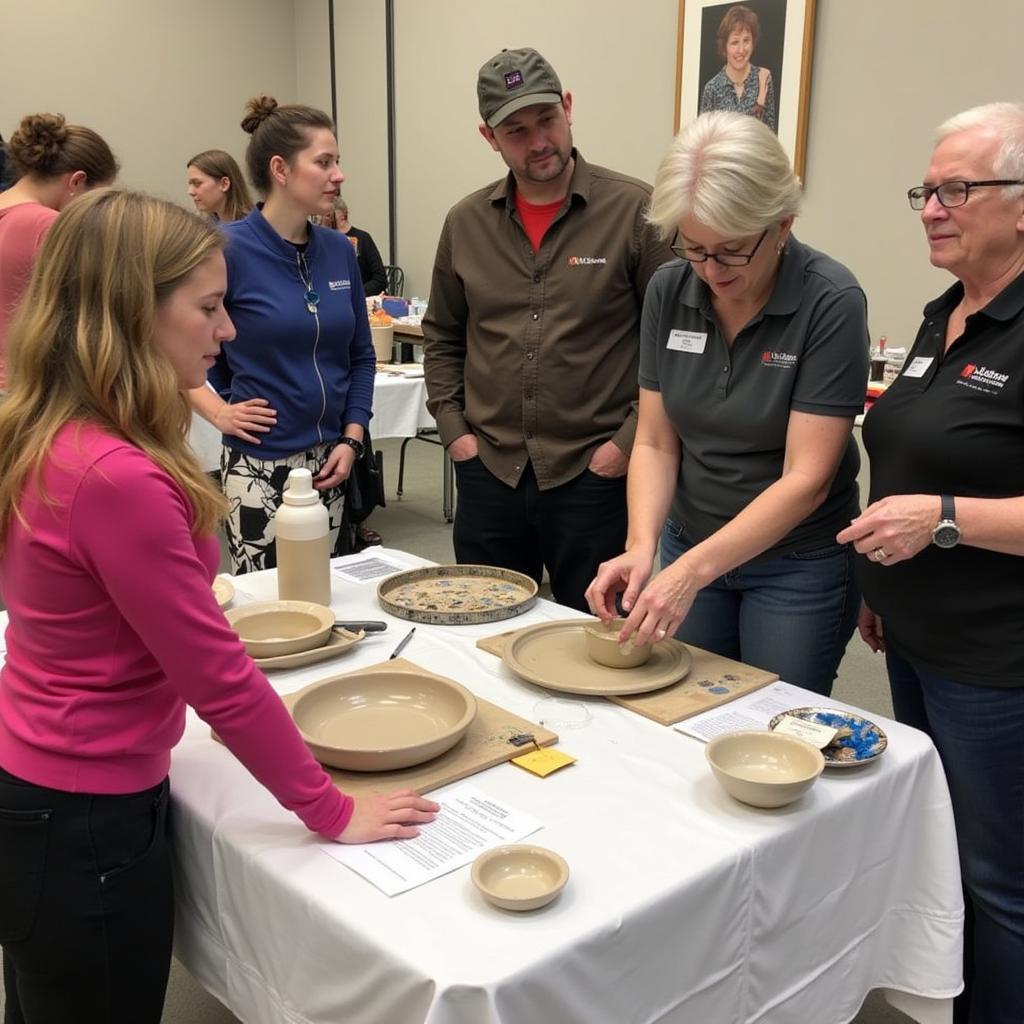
[(123, 313), (56, 162)]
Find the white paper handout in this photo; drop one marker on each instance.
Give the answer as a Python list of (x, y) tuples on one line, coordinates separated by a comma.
[(373, 568), (468, 823), (754, 711)]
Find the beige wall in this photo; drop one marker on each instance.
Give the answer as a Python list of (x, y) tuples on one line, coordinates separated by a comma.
[(160, 81), (885, 73)]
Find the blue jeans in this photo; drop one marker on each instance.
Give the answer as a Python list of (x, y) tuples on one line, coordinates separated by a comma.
[(793, 615), (977, 731)]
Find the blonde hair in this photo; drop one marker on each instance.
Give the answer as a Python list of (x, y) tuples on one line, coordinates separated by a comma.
[(81, 348), (728, 171), (1004, 121)]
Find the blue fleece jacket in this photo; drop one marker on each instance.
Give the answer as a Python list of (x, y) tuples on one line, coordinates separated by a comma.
[(315, 368)]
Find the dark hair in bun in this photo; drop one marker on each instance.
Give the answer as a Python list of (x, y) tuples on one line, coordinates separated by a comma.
[(277, 131), (45, 145)]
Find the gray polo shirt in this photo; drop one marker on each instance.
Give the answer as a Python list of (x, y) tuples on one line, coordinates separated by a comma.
[(807, 350)]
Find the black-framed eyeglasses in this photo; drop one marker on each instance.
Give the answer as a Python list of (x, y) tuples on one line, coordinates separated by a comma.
[(723, 259), (951, 193)]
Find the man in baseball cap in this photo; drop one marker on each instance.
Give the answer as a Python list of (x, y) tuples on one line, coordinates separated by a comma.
[(532, 338)]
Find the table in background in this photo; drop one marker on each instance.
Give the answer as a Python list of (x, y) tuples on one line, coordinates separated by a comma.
[(682, 905)]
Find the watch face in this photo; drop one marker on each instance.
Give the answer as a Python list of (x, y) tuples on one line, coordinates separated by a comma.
[(946, 535)]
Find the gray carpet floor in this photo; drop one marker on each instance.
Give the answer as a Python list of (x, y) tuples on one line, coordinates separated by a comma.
[(415, 523)]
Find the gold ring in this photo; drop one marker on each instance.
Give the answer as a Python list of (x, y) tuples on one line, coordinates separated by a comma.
[(879, 554)]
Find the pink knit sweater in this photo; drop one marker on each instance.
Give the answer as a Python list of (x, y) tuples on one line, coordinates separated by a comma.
[(114, 628)]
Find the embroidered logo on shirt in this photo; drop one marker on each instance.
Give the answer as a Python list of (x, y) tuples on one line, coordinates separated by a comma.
[(981, 378), (339, 286), (513, 79), (586, 261), (780, 360)]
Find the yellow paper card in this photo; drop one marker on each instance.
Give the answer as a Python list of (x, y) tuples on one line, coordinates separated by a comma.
[(544, 761)]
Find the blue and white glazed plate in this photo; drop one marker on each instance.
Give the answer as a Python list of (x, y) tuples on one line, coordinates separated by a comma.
[(858, 740)]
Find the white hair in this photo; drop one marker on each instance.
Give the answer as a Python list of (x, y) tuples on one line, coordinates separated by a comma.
[(728, 171), (1004, 121)]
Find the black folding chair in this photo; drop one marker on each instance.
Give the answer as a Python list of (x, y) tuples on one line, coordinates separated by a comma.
[(395, 280)]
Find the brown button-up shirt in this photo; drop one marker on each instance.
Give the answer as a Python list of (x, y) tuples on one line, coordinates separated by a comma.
[(536, 352)]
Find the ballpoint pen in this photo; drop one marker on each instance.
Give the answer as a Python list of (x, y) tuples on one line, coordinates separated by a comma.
[(401, 644)]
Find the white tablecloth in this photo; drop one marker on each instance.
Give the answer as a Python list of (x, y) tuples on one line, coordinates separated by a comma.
[(682, 905), (399, 410)]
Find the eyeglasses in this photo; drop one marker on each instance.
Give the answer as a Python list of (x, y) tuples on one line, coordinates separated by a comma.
[(951, 193), (723, 259)]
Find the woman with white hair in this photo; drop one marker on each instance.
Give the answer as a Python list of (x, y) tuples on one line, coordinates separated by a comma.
[(943, 537), (753, 360)]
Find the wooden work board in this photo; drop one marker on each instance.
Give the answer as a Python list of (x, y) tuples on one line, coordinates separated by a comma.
[(711, 682)]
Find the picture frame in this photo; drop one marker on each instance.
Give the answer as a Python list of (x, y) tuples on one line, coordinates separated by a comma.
[(783, 48)]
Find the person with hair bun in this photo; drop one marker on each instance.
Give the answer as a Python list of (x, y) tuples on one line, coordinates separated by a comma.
[(296, 388), (102, 658), (753, 358), (216, 186), (56, 162)]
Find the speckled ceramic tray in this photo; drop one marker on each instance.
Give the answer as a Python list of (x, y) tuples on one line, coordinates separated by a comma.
[(859, 741), (457, 595), (223, 591)]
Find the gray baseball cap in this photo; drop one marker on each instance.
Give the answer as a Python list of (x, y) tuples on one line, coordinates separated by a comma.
[(514, 79)]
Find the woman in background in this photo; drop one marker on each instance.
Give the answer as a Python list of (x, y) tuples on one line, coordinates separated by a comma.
[(216, 186), (740, 85), (56, 161), (371, 266), (103, 655), (296, 388)]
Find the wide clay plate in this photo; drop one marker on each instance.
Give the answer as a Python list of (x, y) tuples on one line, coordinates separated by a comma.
[(338, 642), (457, 595), (382, 719), (858, 742), (223, 591), (554, 655)]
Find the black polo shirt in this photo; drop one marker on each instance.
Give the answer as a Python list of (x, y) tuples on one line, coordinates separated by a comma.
[(807, 350), (954, 424)]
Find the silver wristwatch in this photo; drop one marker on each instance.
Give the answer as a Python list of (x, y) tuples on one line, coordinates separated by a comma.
[(946, 534)]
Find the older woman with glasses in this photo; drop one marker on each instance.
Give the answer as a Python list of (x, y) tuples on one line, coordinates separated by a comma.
[(943, 537), (753, 361)]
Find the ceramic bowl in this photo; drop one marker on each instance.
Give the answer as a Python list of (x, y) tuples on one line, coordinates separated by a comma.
[(270, 629), (223, 591), (380, 721), (764, 769), (604, 648), (520, 877)]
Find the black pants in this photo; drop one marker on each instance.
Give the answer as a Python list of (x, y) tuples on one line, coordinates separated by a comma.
[(86, 905), (569, 529)]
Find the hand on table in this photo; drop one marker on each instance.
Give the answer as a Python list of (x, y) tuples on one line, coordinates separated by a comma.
[(336, 469), (895, 528), (394, 816), (608, 460), (869, 625), (463, 448), (624, 575), (245, 419)]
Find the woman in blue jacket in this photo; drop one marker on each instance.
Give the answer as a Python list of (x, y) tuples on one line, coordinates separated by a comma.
[(295, 388)]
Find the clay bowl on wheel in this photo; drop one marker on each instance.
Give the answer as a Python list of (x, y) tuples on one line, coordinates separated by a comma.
[(603, 646)]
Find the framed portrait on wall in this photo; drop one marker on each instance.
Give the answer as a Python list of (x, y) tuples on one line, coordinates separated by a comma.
[(753, 57)]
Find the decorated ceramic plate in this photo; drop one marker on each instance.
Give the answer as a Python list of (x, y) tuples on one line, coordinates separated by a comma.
[(857, 742), (223, 591), (554, 655), (457, 595)]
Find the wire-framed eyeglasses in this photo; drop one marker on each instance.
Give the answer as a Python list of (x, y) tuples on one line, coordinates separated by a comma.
[(951, 193), (723, 259)]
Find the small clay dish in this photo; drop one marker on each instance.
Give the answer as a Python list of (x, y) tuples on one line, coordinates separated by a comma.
[(520, 877), (763, 769), (270, 629), (603, 646)]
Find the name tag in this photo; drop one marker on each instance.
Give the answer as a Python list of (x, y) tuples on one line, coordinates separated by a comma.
[(687, 341), (918, 366)]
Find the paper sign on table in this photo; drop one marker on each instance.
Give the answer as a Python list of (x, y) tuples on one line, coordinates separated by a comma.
[(373, 568), (544, 761), (754, 711), (468, 823), (815, 733)]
